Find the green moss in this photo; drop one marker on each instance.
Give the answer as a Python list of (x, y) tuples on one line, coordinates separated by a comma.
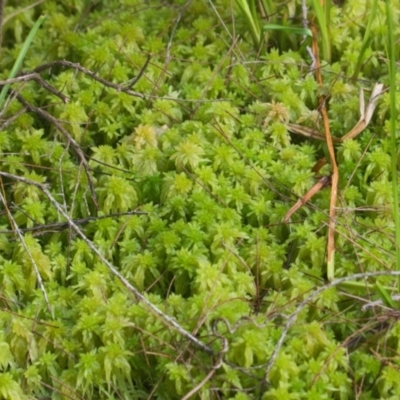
[(207, 154)]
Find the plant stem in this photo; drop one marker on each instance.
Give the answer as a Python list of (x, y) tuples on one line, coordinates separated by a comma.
[(393, 117), (2, 5)]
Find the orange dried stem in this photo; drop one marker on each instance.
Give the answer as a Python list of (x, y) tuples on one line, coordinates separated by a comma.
[(335, 171)]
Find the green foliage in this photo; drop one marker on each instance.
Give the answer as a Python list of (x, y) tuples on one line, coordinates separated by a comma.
[(207, 154)]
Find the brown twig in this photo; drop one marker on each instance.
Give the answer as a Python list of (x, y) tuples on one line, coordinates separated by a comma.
[(12, 118), (58, 226), (37, 78), (365, 118), (76, 66), (310, 133), (133, 81), (335, 170), (323, 182)]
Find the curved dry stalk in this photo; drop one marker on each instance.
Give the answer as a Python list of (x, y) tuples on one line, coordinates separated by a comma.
[(323, 182), (365, 118), (335, 169), (366, 113), (170, 321)]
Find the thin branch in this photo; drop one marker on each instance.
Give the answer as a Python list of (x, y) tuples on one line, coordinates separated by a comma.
[(213, 370), (76, 66), (48, 117), (293, 317), (22, 78), (378, 303), (12, 118), (35, 266), (133, 81), (10, 99), (34, 76), (169, 45), (322, 183), (38, 79), (124, 87), (305, 26), (58, 226), (166, 318)]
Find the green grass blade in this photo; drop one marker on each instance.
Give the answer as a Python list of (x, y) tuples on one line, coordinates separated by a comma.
[(366, 40), (361, 286), (393, 118), (288, 29), (330, 269), (385, 296), (20, 58), (247, 9), (320, 13), (269, 7)]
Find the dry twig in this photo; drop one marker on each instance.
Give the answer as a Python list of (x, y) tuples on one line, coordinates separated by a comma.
[(58, 226)]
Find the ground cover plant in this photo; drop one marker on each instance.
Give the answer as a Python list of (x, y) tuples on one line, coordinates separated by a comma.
[(169, 228)]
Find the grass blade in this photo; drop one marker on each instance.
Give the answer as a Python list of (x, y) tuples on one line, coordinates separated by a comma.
[(385, 296), (321, 14), (288, 29), (366, 40), (393, 117), (248, 11), (18, 63)]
